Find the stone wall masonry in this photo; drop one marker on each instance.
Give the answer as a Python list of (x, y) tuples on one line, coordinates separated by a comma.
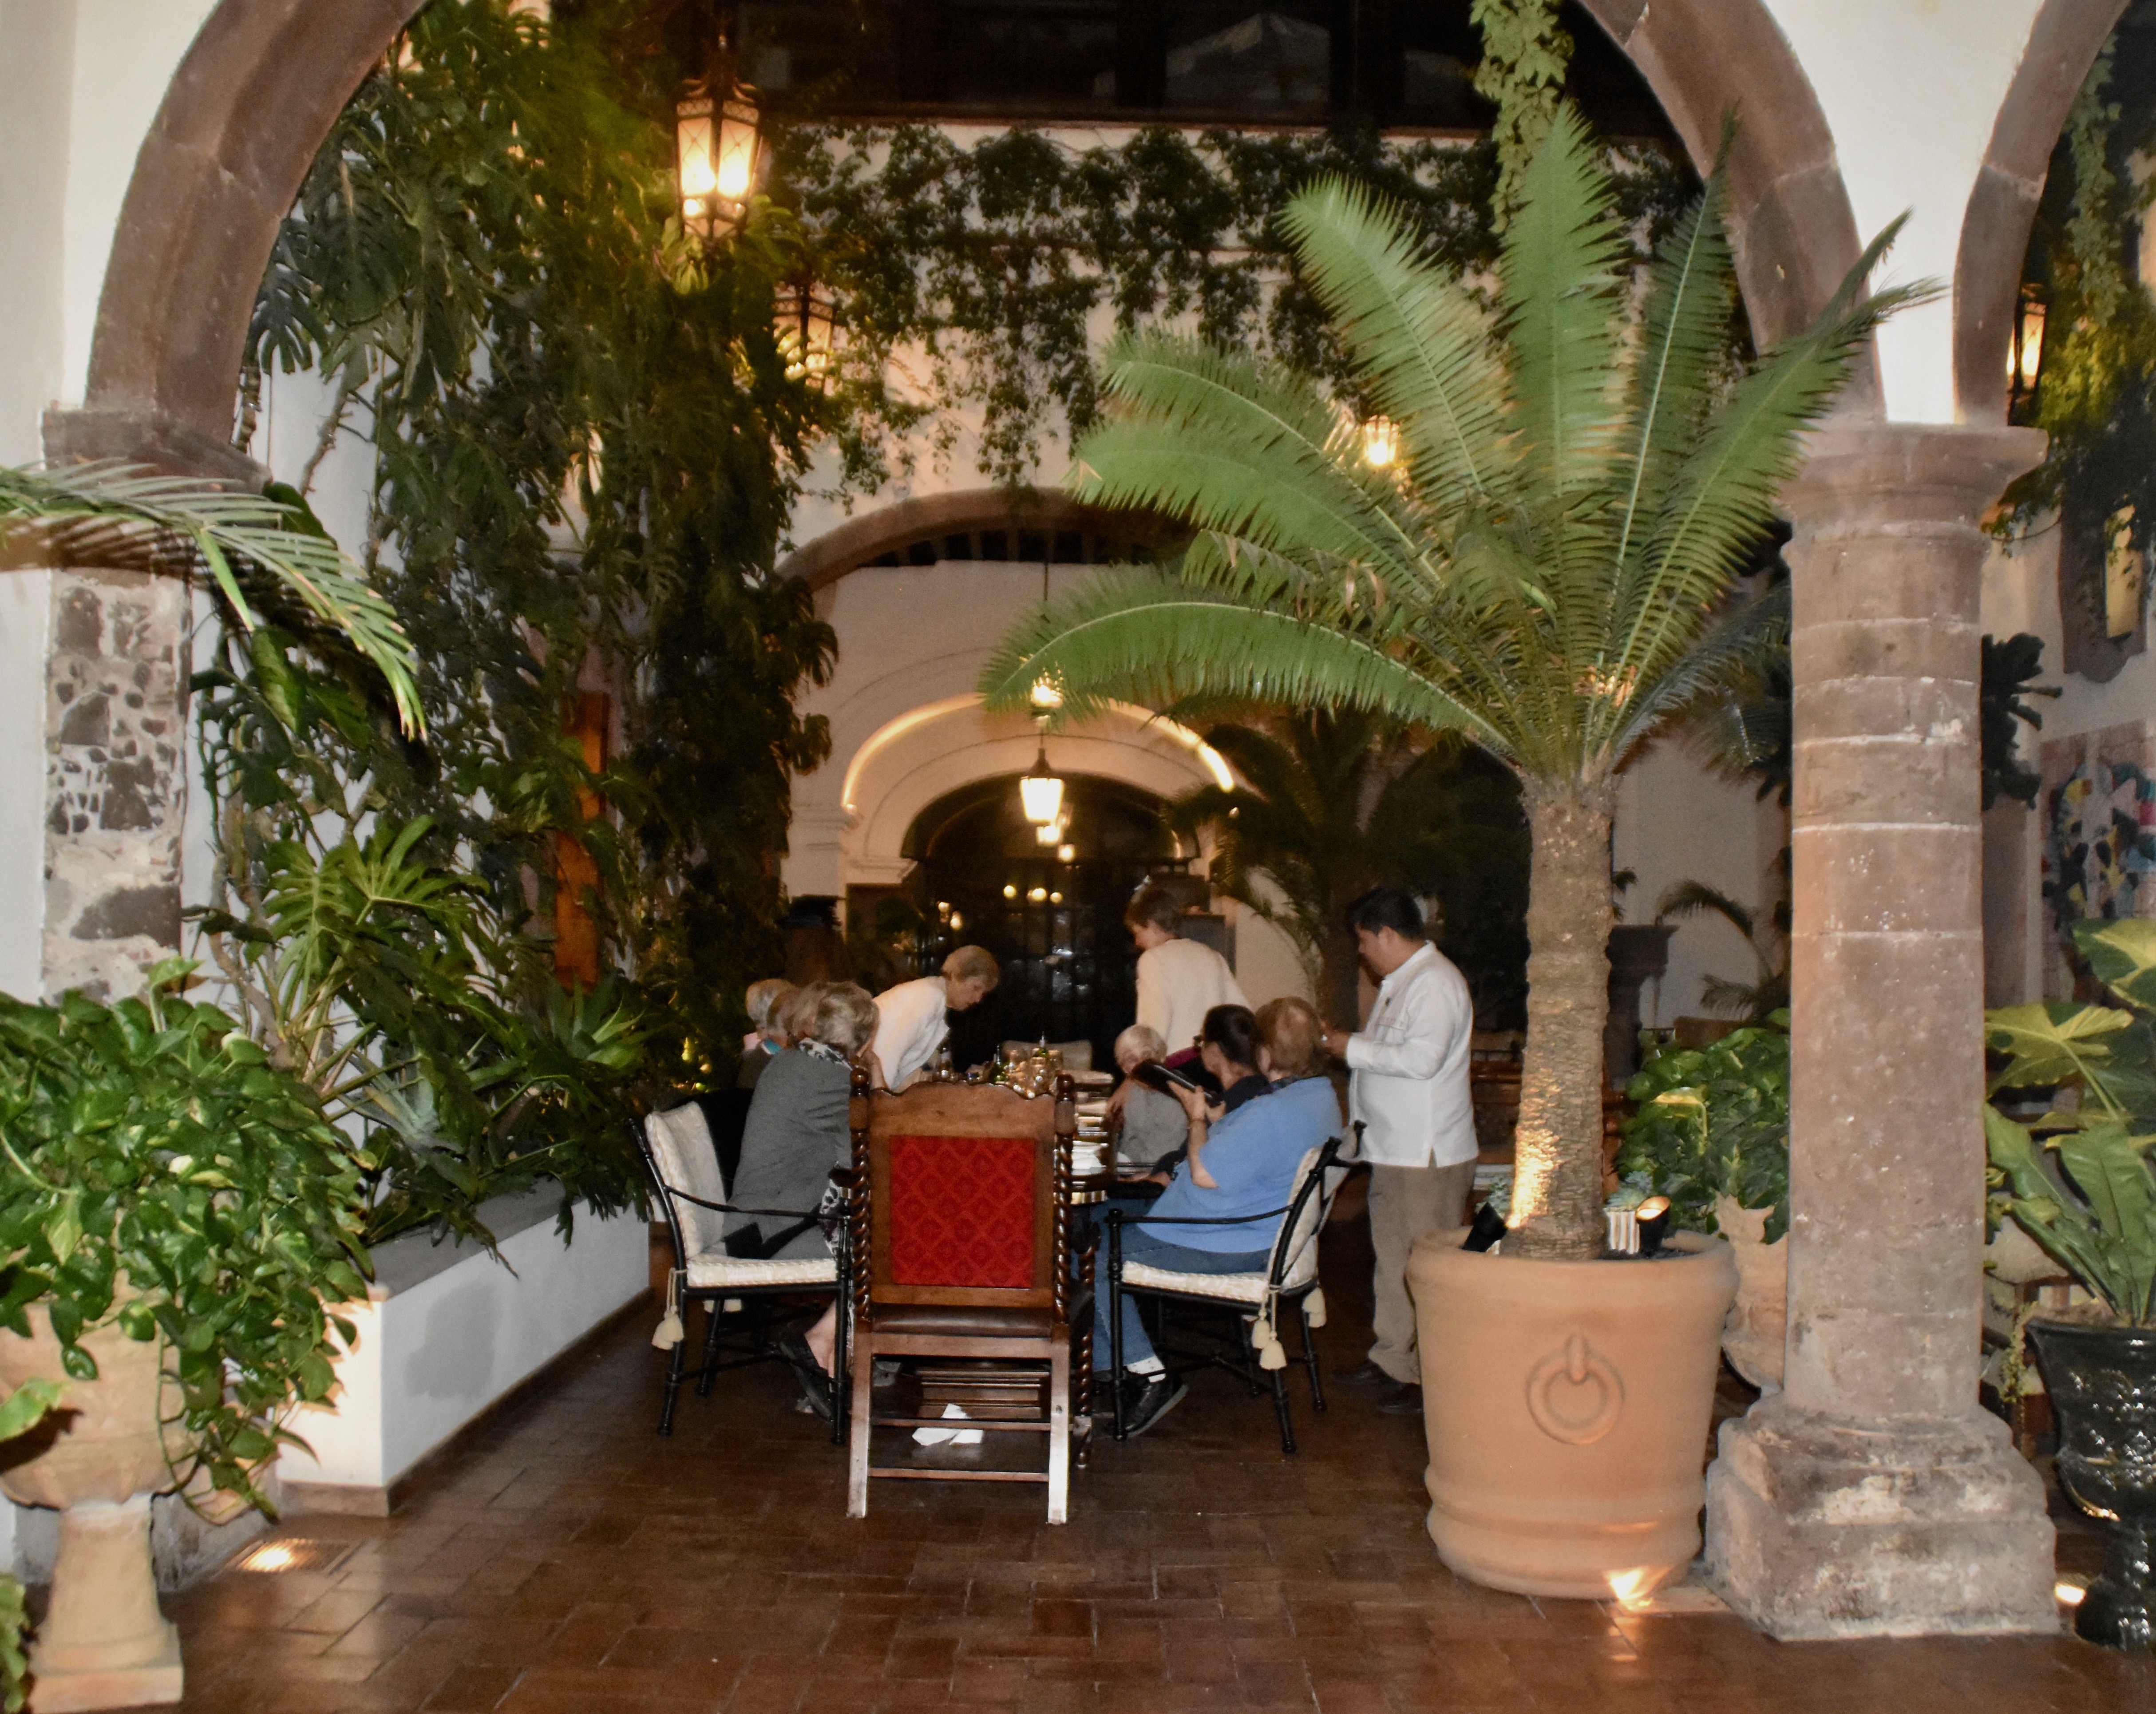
[(116, 793)]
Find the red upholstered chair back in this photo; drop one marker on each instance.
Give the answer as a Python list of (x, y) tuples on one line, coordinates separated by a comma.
[(967, 1197)]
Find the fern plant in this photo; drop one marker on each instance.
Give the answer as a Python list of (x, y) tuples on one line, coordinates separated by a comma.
[(1549, 568)]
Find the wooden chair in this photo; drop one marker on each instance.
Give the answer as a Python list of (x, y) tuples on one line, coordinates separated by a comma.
[(961, 1248), (687, 1169), (1254, 1352)]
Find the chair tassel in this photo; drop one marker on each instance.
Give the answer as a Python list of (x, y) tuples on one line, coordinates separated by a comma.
[(1271, 1354), (668, 1334), (1314, 1306)]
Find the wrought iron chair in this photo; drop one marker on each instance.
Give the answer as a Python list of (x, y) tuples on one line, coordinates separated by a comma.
[(962, 1242), (1254, 1352), (685, 1167)]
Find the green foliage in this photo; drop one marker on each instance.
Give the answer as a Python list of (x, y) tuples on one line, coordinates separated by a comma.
[(1550, 569), (1525, 55), (117, 515), (1714, 1121), (584, 445), (2079, 1179), (992, 258), (2097, 396), (153, 1139), (1335, 803), (21, 1411), (2002, 694)]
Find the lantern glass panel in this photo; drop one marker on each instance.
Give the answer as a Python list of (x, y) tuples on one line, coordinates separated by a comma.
[(1042, 794)]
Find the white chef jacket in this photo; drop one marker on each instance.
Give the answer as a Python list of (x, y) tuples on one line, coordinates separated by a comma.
[(910, 1027), (1410, 1067), (1179, 982)]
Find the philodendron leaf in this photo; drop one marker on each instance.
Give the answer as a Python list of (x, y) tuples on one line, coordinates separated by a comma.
[(2050, 1043), (26, 1407), (2122, 954), (2112, 1171)]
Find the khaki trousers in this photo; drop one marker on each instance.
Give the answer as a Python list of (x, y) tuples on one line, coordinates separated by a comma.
[(1406, 1201)]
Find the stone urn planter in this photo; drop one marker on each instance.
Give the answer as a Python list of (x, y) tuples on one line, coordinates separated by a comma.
[(97, 1460), (1757, 1332), (1567, 1405), (2103, 1384)]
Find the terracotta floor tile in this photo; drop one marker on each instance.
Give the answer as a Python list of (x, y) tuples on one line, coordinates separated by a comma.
[(575, 1561)]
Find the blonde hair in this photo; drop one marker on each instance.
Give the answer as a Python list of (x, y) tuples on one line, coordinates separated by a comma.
[(973, 964), (1292, 1034), (1143, 1041), (839, 1014), (766, 1002)]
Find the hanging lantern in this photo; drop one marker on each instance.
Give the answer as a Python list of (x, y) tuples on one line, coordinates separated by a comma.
[(717, 149), (1055, 834), (806, 325), (1381, 442), (1041, 790), (2025, 355)]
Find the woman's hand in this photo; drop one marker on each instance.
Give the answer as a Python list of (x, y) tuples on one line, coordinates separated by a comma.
[(1193, 1102)]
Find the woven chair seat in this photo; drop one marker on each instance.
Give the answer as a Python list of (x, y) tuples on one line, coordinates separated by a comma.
[(1233, 1288), (716, 1270)]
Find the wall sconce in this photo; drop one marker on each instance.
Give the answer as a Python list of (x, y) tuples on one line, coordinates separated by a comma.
[(718, 147), (2025, 354), (1381, 442), (805, 323)]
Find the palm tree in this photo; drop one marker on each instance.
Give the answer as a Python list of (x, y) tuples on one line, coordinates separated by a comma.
[(1549, 568), (1336, 801), (121, 517)]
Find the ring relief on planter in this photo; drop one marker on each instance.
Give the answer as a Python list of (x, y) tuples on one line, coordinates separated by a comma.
[(1578, 1365)]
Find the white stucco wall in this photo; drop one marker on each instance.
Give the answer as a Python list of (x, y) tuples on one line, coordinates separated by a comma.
[(1910, 89), (1679, 820)]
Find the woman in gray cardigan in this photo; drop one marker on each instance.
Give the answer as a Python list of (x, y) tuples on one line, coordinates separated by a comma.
[(796, 1133)]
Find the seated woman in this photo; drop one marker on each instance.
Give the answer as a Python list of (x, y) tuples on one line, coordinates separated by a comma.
[(797, 1132), (1240, 1163), (1227, 1047), (1153, 1123)]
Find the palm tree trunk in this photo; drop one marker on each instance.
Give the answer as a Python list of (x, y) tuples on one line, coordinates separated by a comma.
[(1557, 1188), (1339, 959)]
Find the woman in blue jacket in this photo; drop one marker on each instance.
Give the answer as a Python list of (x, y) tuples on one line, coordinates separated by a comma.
[(1239, 1163)]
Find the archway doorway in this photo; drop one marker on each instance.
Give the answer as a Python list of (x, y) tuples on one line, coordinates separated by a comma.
[(1052, 914)]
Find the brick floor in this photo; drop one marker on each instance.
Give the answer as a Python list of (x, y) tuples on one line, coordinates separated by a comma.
[(575, 1563)]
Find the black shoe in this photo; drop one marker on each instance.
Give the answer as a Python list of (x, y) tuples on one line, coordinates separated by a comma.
[(1401, 1398), (1365, 1374), (794, 1348), (1157, 1395)]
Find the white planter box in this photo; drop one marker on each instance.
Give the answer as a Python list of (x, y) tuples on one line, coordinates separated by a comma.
[(445, 1332)]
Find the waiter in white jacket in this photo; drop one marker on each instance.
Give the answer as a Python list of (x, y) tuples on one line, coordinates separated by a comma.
[(1408, 1087)]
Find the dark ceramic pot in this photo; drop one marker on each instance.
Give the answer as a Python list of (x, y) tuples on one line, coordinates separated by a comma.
[(2102, 1383)]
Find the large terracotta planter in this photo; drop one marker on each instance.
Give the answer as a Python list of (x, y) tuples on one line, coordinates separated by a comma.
[(97, 1460), (1756, 1335), (1566, 1406), (2102, 1383)]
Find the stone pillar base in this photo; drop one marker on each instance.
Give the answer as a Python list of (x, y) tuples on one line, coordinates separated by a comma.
[(1816, 1529)]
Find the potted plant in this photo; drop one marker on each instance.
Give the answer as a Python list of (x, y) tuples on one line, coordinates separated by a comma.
[(1542, 552), (1712, 1133), (174, 1214), (2078, 1181)]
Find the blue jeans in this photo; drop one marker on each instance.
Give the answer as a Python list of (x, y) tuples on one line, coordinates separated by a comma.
[(1140, 1246)]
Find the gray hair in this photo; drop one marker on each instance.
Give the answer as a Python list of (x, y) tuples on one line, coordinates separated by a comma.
[(767, 1002), (1141, 1041), (839, 1014), (973, 964)]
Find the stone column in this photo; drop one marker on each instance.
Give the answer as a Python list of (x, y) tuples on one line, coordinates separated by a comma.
[(1874, 1496)]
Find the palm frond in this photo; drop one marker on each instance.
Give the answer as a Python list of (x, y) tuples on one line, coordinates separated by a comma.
[(1725, 654), (1560, 280), (1690, 898), (118, 516), (1154, 639), (1416, 334)]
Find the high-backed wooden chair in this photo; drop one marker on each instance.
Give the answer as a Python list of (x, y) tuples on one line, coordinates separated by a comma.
[(689, 1171), (961, 1248)]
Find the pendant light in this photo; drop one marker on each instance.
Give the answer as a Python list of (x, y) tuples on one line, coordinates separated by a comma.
[(718, 149)]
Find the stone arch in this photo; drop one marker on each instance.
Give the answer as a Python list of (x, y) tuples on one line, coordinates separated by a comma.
[(265, 79), (2063, 44)]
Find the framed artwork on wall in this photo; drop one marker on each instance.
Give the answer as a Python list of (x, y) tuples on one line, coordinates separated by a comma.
[(2099, 832)]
